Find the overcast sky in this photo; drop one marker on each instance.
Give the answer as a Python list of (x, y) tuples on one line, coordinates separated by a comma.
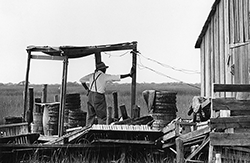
[(166, 32)]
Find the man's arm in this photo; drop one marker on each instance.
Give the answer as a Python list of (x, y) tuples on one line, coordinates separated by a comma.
[(129, 74), (125, 76)]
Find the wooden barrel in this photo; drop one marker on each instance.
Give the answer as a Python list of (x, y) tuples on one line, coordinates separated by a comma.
[(164, 108)]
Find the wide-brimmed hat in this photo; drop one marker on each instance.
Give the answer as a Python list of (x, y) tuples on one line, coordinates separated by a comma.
[(100, 66)]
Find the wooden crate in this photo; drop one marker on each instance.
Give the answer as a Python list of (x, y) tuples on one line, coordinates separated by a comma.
[(14, 129)]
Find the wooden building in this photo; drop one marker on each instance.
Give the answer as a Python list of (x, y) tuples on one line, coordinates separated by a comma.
[(224, 45)]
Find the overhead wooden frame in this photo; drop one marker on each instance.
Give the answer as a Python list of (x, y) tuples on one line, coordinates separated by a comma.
[(64, 53)]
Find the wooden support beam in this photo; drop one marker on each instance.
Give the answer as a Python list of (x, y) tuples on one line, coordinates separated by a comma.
[(120, 141), (231, 87), (123, 112), (195, 133), (230, 122), (133, 85), (44, 93), (180, 151), (136, 111), (29, 112), (43, 57), (115, 97), (25, 99), (230, 139), (230, 104), (63, 98), (56, 98), (109, 115), (210, 152), (196, 151)]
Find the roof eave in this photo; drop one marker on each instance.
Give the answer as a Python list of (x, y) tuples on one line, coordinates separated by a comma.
[(205, 27)]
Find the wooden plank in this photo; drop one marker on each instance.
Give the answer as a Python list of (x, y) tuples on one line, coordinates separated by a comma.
[(231, 87), (212, 57), (44, 93), (123, 111), (115, 98), (248, 28), (194, 161), (231, 22), (13, 125), (230, 139), (202, 63), (237, 45), (169, 135), (194, 139), (230, 122), (216, 50), (120, 141), (109, 115), (167, 145), (43, 57), (230, 104), (63, 98), (241, 21), (210, 152), (197, 150), (29, 113), (226, 48), (222, 45), (244, 64), (180, 151), (195, 133), (169, 128), (133, 83), (25, 98), (237, 26), (208, 63), (236, 66), (246, 17)]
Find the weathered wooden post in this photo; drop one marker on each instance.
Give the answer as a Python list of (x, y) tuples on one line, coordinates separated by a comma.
[(109, 115), (179, 150), (56, 98), (25, 99), (115, 97), (137, 110), (62, 97), (124, 112), (29, 112), (133, 85), (44, 93)]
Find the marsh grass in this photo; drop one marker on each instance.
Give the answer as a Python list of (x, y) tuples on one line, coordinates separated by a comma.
[(11, 97), (94, 156)]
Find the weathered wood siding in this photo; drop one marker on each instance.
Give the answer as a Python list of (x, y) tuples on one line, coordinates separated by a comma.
[(224, 46)]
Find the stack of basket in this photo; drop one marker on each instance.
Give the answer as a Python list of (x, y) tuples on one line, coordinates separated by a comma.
[(50, 118), (74, 116), (53, 120), (164, 108)]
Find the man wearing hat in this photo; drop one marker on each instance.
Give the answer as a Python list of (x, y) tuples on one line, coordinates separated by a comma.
[(96, 99)]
